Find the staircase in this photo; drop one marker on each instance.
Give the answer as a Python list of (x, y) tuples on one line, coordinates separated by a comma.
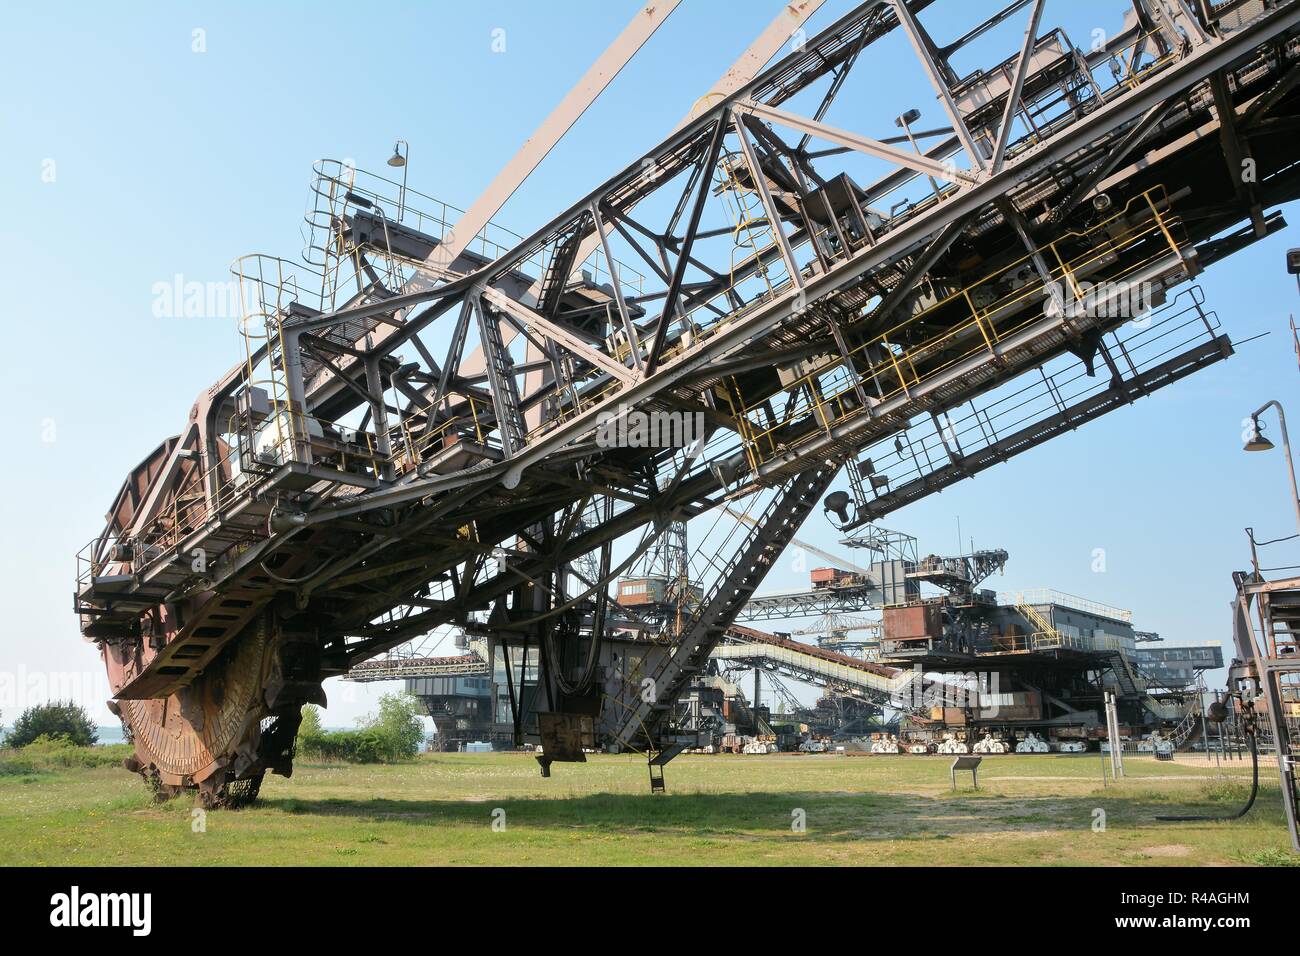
[(221, 619), (1130, 680), (1283, 637), (1277, 664), (1127, 678), (764, 543), (558, 270), (501, 375), (752, 234), (1188, 730), (1042, 626)]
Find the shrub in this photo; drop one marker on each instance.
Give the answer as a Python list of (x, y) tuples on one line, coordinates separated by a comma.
[(1226, 791), (61, 719), (14, 763), (1272, 856), (394, 733), (55, 753), (399, 722), (310, 730), (355, 746), (311, 725)]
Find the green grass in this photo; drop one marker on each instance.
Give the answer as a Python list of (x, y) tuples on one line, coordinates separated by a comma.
[(1035, 810)]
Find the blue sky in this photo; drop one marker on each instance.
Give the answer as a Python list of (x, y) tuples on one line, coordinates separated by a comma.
[(168, 161)]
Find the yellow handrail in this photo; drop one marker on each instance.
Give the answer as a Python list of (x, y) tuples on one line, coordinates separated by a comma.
[(903, 363)]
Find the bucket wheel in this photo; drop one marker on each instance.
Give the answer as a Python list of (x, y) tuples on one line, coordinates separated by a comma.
[(218, 735)]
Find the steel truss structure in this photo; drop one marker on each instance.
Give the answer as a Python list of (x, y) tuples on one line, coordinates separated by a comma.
[(419, 432)]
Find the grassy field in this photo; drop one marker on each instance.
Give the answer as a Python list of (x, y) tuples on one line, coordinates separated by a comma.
[(440, 809)]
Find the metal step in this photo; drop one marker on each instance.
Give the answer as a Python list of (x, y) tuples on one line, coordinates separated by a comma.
[(766, 539)]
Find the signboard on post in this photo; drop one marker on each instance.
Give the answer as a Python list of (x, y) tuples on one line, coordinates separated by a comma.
[(968, 762)]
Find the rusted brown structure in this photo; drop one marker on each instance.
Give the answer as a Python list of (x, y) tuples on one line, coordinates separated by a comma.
[(413, 436)]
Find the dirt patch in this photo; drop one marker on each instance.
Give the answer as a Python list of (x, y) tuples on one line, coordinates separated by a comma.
[(1170, 849)]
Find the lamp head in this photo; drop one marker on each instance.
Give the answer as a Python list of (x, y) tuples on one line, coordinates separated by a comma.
[(907, 119), (397, 160), (1258, 441), (838, 502), (729, 469)]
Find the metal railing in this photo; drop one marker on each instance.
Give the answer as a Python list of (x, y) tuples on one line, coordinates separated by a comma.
[(1044, 640), (822, 397), (1043, 596), (339, 187)]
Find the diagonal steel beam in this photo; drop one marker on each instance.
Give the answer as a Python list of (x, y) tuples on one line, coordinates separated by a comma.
[(504, 388), (1113, 158), (921, 46), (1017, 85), (769, 206), (864, 144), (451, 367), (625, 317), (1236, 153), (578, 346), (920, 266), (709, 159), (647, 20), (1271, 97)]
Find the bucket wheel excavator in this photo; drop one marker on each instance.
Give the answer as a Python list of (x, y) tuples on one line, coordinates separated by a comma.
[(418, 433)]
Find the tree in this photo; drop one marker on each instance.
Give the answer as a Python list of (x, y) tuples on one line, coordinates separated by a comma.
[(399, 721), (311, 733), (60, 720), (394, 733), (310, 727)]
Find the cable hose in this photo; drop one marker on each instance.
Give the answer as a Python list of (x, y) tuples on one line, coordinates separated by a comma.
[(589, 668), (293, 582), (651, 534), (592, 665), (1254, 791)]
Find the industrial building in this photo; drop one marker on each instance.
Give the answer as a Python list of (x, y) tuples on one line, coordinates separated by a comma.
[(1034, 661)]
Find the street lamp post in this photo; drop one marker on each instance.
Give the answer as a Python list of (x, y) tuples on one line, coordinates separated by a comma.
[(1272, 665), (398, 161), (1257, 442), (904, 123)]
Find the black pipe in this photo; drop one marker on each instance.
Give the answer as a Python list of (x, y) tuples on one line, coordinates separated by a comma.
[(1254, 788)]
